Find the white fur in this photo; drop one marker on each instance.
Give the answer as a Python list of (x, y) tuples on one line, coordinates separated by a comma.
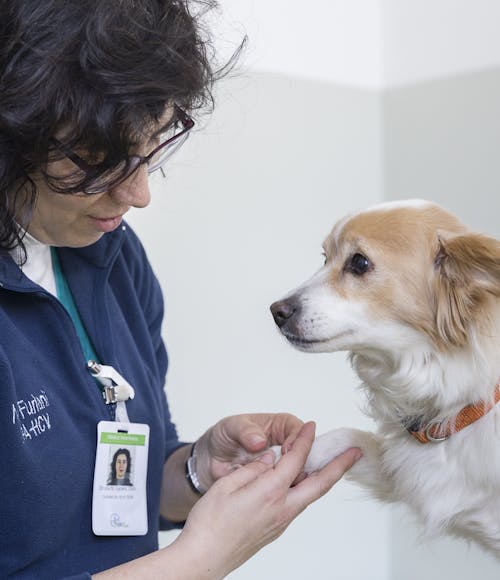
[(454, 485)]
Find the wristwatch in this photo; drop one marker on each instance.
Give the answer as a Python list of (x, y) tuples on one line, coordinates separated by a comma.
[(191, 474)]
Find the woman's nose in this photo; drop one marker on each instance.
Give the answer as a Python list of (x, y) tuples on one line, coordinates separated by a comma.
[(134, 190)]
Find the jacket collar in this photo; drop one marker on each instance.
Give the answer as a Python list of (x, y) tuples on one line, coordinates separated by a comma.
[(101, 255)]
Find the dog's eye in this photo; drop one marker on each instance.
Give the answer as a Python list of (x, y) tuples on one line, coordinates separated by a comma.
[(358, 264)]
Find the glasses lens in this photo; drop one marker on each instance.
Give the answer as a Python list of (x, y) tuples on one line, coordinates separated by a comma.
[(166, 151), (90, 178), (111, 177)]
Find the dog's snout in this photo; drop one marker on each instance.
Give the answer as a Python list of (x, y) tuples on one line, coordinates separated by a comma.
[(283, 310)]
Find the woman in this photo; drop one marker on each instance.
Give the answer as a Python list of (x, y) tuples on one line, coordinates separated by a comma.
[(94, 95), (121, 466)]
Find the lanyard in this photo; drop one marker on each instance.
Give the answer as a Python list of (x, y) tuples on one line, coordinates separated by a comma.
[(115, 388)]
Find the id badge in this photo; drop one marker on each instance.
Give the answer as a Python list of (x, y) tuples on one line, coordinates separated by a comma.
[(119, 503)]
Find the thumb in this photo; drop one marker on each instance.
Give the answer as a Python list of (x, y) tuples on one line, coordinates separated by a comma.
[(247, 433)]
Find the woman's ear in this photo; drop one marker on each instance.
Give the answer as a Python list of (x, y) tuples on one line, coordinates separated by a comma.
[(467, 274)]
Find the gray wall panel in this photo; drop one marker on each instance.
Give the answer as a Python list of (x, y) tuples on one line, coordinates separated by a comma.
[(442, 142)]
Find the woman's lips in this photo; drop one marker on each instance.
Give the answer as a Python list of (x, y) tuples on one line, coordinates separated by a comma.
[(107, 224)]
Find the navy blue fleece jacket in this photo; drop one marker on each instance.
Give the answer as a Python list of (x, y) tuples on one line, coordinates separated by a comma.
[(50, 406)]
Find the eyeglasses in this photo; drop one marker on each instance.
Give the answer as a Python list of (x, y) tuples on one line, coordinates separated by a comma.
[(99, 178)]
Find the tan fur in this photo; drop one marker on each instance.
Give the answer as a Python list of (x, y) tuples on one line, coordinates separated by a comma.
[(467, 276), (437, 262)]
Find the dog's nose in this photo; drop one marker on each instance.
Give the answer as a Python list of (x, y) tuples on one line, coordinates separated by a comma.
[(283, 310)]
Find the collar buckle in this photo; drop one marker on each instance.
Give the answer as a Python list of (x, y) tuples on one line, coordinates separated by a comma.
[(432, 438)]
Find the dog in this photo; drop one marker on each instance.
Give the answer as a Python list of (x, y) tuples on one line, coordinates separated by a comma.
[(413, 296)]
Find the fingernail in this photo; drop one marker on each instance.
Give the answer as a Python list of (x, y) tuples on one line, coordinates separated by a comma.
[(358, 455), (257, 439)]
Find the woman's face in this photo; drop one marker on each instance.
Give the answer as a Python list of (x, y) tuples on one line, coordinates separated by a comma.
[(77, 220), (80, 220), (121, 465)]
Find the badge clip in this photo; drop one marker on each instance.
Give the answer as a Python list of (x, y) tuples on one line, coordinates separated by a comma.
[(115, 388)]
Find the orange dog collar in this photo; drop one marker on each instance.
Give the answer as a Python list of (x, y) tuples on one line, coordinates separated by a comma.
[(436, 431)]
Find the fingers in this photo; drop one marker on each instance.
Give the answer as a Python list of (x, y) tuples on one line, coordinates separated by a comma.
[(253, 438), (245, 432), (283, 430), (320, 482), (248, 473), (289, 432), (292, 464), (256, 431), (287, 469)]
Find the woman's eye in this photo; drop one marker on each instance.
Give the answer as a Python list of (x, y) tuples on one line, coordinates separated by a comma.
[(358, 264), (324, 257)]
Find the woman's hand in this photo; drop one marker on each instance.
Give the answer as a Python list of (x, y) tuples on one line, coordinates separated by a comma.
[(254, 504), (243, 511), (237, 440)]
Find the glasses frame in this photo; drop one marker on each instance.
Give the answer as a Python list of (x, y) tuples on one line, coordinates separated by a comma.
[(135, 161)]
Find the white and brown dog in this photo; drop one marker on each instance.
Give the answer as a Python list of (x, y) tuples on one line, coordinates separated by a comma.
[(414, 296)]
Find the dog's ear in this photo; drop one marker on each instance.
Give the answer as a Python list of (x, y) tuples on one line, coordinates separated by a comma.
[(467, 274)]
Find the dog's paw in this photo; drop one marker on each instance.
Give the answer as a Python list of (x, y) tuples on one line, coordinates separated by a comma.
[(331, 444), (276, 449)]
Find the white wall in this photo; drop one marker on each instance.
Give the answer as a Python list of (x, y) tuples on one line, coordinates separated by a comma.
[(337, 41), (364, 43), (429, 39)]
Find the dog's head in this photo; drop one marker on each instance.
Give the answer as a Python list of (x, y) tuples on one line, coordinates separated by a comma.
[(396, 276)]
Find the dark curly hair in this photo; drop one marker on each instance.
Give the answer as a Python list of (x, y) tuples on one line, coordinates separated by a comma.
[(112, 476), (103, 72)]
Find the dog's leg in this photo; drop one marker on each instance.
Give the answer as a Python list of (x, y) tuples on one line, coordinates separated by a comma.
[(368, 471)]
